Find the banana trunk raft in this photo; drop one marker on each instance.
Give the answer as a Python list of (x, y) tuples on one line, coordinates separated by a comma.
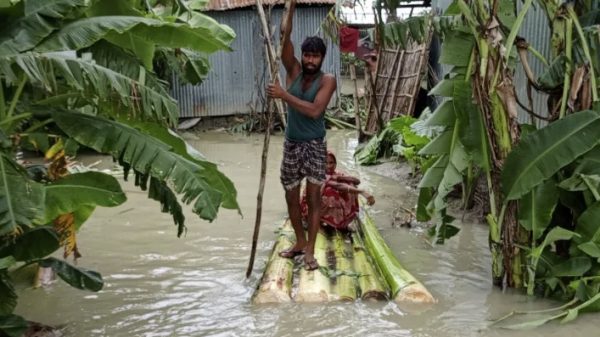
[(352, 266)]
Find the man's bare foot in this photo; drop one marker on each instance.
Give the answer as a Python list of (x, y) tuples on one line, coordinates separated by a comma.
[(310, 263), (291, 252)]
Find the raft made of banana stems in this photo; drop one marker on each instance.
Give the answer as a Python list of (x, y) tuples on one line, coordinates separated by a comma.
[(357, 265)]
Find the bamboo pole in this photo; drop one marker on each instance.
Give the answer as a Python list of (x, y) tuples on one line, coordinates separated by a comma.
[(386, 88), (359, 133), (417, 85), (395, 86), (274, 71), (274, 58)]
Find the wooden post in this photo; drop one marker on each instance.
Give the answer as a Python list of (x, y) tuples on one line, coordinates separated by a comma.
[(272, 57), (386, 88), (356, 102), (395, 88), (274, 71)]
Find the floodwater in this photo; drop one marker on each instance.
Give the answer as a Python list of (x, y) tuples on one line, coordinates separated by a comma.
[(159, 285)]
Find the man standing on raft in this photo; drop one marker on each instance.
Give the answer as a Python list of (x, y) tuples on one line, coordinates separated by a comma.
[(305, 149)]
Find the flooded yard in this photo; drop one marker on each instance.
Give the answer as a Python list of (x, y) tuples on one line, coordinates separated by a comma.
[(159, 285)]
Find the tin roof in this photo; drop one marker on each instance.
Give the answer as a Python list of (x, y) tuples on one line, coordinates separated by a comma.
[(223, 5)]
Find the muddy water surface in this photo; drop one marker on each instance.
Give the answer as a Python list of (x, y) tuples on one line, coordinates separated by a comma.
[(159, 285)]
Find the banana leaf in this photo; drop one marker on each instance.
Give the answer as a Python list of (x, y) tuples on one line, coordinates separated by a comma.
[(77, 277), (21, 199), (37, 21), (542, 153), (536, 208), (199, 182), (151, 103), (68, 194), (201, 33)]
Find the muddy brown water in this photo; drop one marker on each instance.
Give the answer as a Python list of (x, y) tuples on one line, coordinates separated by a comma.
[(159, 285)]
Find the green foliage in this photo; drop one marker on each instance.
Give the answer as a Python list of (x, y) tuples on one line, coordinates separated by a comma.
[(552, 173), (32, 245), (75, 72), (409, 143), (13, 325), (199, 181), (544, 152), (400, 139), (8, 296), (20, 197), (68, 194), (77, 277)]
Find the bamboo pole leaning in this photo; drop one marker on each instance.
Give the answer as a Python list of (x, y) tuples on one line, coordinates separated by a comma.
[(274, 76), (359, 133)]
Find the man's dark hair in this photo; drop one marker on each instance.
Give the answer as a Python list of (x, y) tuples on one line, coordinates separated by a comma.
[(314, 44)]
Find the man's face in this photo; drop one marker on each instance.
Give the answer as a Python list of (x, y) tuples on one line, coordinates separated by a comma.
[(311, 62)]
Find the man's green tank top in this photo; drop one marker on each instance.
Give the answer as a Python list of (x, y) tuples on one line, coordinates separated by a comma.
[(301, 128)]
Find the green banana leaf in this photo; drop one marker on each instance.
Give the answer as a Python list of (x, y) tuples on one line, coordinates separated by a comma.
[(32, 245), (85, 76), (37, 21), (68, 194), (536, 208), (198, 182), (462, 44), (21, 199), (13, 325), (203, 34), (160, 192), (588, 226), (472, 132), (77, 277), (8, 296), (542, 153)]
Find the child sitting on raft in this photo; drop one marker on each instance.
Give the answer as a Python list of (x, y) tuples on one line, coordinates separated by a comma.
[(339, 197)]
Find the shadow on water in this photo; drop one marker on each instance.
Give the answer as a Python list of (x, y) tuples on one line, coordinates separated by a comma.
[(159, 285)]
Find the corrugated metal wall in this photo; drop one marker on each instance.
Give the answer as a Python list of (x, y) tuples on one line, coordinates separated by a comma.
[(536, 31), (442, 4), (233, 85)]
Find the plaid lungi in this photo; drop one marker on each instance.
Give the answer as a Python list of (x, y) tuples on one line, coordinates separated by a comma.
[(303, 159)]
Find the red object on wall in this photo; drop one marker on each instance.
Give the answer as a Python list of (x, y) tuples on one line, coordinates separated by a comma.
[(348, 39)]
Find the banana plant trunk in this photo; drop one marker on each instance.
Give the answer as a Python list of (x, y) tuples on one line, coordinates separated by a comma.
[(495, 94)]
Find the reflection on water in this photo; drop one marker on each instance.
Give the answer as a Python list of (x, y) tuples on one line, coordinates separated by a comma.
[(159, 285)]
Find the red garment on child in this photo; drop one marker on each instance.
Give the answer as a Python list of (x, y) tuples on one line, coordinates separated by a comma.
[(338, 209)]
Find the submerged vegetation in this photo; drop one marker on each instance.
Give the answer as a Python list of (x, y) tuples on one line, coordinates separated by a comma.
[(78, 74), (542, 184)]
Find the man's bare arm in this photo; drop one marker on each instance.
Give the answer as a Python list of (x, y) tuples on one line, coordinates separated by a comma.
[(291, 64), (314, 109)]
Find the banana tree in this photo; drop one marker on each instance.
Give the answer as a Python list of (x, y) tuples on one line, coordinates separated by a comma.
[(543, 188), (87, 73)]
